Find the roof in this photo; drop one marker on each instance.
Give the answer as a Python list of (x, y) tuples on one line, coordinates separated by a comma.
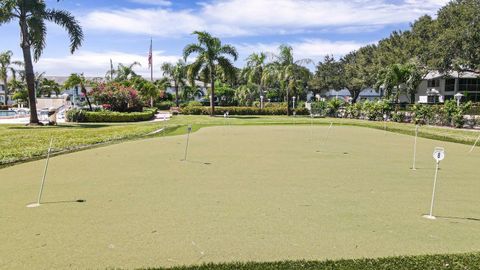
[(453, 74)]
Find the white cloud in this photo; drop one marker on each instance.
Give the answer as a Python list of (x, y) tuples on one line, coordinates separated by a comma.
[(315, 49), (158, 22), (256, 17), (98, 63)]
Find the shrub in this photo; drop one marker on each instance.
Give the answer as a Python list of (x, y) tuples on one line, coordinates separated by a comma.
[(165, 105), (196, 110), (319, 108), (120, 98), (333, 106), (399, 117), (75, 115)]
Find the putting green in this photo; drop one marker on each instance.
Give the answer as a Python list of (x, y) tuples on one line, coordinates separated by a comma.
[(260, 193)]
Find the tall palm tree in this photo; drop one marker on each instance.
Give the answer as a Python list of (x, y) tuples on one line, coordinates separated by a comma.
[(78, 80), (177, 74), (290, 73), (211, 53), (32, 16), (254, 72), (5, 67), (125, 72)]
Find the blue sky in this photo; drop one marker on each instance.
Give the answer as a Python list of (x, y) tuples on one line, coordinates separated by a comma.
[(121, 29)]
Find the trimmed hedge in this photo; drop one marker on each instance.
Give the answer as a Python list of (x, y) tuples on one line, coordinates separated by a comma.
[(424, 262), (75, 115), (199, 110)]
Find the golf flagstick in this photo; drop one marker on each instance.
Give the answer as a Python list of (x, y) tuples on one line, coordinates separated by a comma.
[(328, 133), (438, 155), (475, 144), (415, 148), (189, 129), (43, 178)]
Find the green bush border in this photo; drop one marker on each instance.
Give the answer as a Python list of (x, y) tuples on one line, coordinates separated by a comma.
[(83, 116), (201, 110)]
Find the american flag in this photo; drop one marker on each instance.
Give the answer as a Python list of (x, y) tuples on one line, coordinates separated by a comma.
[(150, 56)]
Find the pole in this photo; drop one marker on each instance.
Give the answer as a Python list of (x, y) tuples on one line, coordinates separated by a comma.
[(189, 129), (164, 124), (111, 70), (151, 59), (430, 216), (45, 172), (415, 148), (328, 133), (475, 144)]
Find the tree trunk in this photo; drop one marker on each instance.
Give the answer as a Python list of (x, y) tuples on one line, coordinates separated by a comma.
[(356, 94), (289, 112), (88, 100), (30, 77), (212, 94), (176, 95), (5, 88)]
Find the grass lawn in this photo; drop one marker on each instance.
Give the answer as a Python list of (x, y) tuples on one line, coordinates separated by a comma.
[(247, 193), (20, 143)]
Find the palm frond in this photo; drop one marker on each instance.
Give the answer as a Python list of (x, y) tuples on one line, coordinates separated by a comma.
[(66, 20), (38, 33), (192, 48)]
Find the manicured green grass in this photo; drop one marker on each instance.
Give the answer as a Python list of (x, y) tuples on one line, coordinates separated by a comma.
[(426, 262), (246, 193), (20, 143)]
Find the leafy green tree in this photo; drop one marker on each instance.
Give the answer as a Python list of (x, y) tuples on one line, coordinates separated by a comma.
[(246, 94), (211, 54), (358, 71), (254, 73), (328, 75), (46, 87), (290, 73), (125, 72), (457, 44), (32, 16), (177, 74), (6, 67), (78, 80)]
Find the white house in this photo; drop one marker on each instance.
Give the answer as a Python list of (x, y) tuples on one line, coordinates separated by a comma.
[(438, 87)]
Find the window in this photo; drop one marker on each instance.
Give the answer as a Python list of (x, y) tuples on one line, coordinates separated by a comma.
[(469, 85), (433, 99), (434, 83), (449, 85)]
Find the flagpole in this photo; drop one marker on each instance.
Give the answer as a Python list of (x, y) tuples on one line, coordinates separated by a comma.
[(151, 59), (111, 70)]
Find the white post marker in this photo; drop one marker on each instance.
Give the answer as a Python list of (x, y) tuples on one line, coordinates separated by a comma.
[(189, 129), (164, 124), (475, 144), (328, 133), (438, 155), (415, 149), (384, 124), (37, 204)]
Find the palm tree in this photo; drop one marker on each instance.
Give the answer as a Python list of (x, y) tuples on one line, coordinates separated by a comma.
[(290, 73), (254, 72), (46, 87), (125, 72), (32, 16), (78, 80), (177, 74), (6, 66), (211, 53)]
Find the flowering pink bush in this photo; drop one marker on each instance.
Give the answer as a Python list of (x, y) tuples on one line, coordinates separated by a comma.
[(117, 97)]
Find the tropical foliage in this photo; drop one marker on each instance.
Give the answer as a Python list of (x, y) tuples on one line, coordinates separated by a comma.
[(32, 17)]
